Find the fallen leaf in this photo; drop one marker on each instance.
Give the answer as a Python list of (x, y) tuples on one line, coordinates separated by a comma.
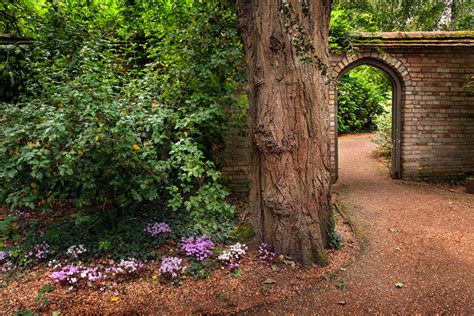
[(392, 230), (342, 302), (399, 285), (269, 281), (115, 299), (287, 260), (341, 285), (326, 277)]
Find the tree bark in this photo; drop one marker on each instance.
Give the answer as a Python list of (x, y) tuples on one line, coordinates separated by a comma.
[(452, 22), (286, 51)]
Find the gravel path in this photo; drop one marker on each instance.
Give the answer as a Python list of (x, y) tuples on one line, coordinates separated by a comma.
[(414, 233)]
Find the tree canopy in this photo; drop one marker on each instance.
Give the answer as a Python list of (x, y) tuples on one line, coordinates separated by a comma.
[(409, 15)]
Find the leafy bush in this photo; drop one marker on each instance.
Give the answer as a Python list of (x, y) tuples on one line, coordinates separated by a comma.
[(383, 136), (362, 94), (103, 135)]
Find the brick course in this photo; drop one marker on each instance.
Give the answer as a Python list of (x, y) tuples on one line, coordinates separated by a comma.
[(437, 109)]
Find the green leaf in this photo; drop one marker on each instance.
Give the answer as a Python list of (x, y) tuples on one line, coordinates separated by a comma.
[(236, 273), (44, 289)]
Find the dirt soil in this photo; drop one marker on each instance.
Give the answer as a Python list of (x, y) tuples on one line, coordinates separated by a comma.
[(417, 235), (258, 284)]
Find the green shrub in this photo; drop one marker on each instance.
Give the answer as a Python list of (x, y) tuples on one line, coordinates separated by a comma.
[(90, 134), (362, 93), (383, 136)]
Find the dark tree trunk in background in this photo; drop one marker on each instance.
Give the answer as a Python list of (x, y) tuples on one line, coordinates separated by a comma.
[(453, 15), (286, 54)]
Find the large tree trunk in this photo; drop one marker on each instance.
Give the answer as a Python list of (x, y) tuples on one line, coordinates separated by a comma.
[(286, 53)]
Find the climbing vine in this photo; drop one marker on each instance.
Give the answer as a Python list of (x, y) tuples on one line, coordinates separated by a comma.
[(304, 45)]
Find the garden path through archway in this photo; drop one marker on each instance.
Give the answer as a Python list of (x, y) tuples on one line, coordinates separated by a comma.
[(397, 92), (433, 74)]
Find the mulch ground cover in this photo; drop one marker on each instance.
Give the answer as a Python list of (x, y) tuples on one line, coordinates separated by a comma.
[(259, 283)]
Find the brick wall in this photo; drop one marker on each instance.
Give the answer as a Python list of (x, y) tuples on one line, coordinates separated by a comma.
[(234, 161), (438, 125), (436, 70), (437, 100)]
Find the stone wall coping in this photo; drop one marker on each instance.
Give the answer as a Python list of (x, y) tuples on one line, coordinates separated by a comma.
[(459, 38), (421, 39)]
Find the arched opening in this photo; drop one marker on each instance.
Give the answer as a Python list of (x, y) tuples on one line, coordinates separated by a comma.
[(395, 165)]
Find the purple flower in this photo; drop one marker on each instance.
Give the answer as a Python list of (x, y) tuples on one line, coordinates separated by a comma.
[(40, 250), (197, 247), (67, 273), (92, 274), (72, 274), (265, 254), (5, 254), (156, 229), (171, 266), (7, 266)]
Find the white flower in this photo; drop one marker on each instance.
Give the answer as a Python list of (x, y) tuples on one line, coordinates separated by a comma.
[(76, 250), (235, 252)]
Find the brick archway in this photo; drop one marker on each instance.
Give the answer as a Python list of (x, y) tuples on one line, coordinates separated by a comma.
[(339, 66), (398, 75), (436, 74), (436, 114)]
